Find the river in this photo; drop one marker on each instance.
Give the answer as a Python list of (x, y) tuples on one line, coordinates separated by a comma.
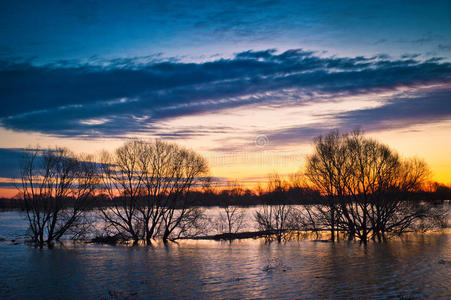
[(416, 266)]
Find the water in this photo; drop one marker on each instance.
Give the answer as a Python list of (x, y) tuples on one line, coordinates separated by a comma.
[(417, 266)]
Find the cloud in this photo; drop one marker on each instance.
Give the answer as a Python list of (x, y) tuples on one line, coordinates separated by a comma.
[(132, 95), (402, 112), (398, 112)]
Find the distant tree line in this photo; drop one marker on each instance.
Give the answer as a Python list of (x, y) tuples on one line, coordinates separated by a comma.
[(352, 186), (434, 192)]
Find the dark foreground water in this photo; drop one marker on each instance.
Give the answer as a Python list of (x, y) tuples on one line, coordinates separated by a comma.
[(418, 266)]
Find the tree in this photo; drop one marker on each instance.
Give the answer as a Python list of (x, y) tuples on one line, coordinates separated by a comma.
[(307, 216), (327, 171), (190, 222), (123, 182), (231, 217), (56, 186), (152, 181), (367, 186), (172, 180), (276, 215)]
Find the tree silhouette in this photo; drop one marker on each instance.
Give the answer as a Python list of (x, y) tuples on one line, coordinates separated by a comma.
[(56, 186), (367, 186), (153, 181)]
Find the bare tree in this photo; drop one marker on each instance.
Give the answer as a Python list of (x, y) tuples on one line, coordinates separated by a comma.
[(173, 172), (326, 169), (275, 216), (395, 211), (56, 186), (231, 217), (123, 181), (153, 180), (187, 223), (306, 217), (366, 186)]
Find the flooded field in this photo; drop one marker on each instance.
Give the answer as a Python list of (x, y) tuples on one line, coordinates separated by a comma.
[(417, 266)]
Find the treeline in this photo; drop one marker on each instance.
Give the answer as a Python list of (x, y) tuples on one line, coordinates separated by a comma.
[(435, 193), (351, 186)]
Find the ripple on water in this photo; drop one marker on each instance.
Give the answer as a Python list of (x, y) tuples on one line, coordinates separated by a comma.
[(414, 267)]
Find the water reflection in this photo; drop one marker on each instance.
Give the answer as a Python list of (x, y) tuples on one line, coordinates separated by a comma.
[(408, 267)]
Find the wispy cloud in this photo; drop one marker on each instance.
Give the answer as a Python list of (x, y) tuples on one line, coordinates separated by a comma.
[(132, 96), (397, 112)]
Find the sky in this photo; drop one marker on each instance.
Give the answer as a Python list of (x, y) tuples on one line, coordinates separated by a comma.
[(248, 84)]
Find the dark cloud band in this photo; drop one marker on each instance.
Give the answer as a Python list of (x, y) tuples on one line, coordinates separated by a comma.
[(130, 96)]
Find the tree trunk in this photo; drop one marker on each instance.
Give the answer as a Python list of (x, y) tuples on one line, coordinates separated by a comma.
[(166, 235), (332, 224)]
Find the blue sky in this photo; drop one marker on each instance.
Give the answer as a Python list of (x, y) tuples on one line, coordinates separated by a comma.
[(49, 31), (216, 75)]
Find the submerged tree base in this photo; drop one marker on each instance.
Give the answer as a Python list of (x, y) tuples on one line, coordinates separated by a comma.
[(319, 235), (285, 234), (108, 239), (234, 236)]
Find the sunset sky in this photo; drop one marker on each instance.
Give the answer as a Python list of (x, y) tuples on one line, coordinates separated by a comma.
[(248, 84)]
